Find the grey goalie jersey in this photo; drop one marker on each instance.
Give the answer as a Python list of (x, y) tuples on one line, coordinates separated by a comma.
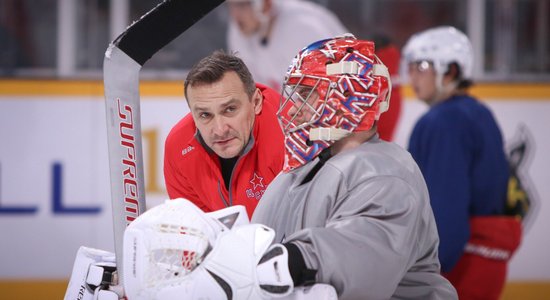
[(364, 222)]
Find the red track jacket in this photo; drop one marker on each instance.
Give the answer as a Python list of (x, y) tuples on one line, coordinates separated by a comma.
[(192, 171)]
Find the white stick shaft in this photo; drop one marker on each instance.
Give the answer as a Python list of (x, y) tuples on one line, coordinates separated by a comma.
[(121, 79), (123, 61)]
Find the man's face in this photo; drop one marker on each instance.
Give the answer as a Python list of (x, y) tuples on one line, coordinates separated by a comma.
[(244, 14), (224, 114), (423, 77), (305, 103)]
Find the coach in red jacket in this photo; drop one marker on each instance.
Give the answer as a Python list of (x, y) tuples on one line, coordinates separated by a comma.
[(230, 146)]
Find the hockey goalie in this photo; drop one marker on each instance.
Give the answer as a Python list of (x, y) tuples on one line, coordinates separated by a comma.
[(176, 251)]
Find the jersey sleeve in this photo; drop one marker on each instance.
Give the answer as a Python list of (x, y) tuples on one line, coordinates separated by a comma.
[(177, 183), (443, 151), (369, 240)]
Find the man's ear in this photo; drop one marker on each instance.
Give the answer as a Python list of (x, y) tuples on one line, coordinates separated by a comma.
[(452, 74), (258, 100)]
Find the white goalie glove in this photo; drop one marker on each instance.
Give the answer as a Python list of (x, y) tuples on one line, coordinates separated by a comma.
[(175, 251)]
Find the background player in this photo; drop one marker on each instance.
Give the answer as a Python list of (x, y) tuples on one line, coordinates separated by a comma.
[(458, 146), (268, 33)]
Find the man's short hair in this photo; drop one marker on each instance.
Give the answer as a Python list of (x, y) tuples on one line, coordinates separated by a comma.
[(213, 67)]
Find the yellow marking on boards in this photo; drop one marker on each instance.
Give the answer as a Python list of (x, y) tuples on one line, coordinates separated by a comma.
[(83, 88), (55, 290), (18, 87), (150, 141), (500, 91)]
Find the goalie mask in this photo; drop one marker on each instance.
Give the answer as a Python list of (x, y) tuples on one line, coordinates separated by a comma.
[(332, 88)]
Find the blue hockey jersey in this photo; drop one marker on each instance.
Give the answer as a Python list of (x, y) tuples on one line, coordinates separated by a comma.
[(458, 146)]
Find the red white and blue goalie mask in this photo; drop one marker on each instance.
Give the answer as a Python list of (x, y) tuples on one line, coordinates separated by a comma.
[(332, 88)]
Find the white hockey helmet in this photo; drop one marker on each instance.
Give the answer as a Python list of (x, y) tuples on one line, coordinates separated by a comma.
[(441, 46)]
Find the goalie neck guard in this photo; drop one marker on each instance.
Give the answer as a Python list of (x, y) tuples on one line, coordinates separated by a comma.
[(332, 88)]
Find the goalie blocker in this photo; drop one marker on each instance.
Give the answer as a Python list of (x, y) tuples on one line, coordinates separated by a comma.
[(176, 251)]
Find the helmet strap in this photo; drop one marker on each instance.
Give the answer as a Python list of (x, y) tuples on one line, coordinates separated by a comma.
[(379, 69)]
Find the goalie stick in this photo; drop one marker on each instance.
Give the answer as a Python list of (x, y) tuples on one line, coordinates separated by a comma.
[(123, 61)]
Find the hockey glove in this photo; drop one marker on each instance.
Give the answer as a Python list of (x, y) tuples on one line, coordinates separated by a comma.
[(245, 266), (176, 251)]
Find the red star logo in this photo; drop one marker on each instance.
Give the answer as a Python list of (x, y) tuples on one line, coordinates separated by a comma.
[(257, 181)]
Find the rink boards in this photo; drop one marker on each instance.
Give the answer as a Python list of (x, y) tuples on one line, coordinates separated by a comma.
[(54, 185)]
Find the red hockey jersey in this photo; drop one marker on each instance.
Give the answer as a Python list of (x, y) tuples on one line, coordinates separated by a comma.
[(193, 172)]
